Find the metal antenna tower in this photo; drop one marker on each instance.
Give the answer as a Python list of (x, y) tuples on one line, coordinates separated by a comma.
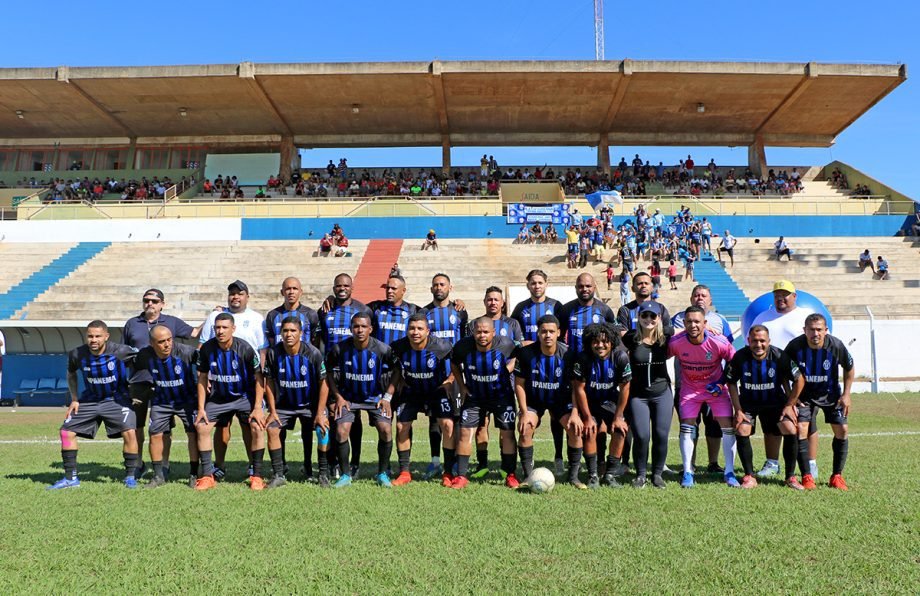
[(598, 29)]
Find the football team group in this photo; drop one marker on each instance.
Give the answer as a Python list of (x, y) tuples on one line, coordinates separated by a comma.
[(602, 377)]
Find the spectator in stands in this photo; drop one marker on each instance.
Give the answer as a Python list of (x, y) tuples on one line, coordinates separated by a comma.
[(341, 246), (260, 194), (523, 235), (431, 241), (780, 248), (325, 245), (395, 271), (881, 268), (625, 285), (655, 271), (915, 227), (865, 260), (672, 274), (238, 193), (728, 246), (536, 233), (551, 234)]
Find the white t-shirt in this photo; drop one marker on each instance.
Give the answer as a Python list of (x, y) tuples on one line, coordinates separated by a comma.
[(783, 327), (2, 354), (250, 327)]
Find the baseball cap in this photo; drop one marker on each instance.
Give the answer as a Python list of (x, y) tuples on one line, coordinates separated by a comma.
[(652, 307), (155, 292), (238, 285), (784, 285)]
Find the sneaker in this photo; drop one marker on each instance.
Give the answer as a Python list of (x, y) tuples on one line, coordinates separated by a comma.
[(447, 480), (732, 480), (769, 469), (837, 481), (65, 483), (140, 470), (610, 479), (639, 482), (336, 471), (432, 471), (192, 480), (323, 481), (276, 482), (219, 474), (480, 472), (668, 470), (658, 481), (715, 468), (618, 471), (354, 469), (594, 482), (256, 483), (205, 483), (808, 482), (579, 484), (130, 482), (343, 481), (511, 481), (459, 482), (155, 482), (405, 477), (793, 483), (383, 479), (560, 466), (686, 480), (748, 481), (286, 470)]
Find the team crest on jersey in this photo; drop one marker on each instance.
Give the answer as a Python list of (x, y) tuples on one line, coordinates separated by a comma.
[(405, 315), (303, 369), (827, 365), (234, 365), (154, 371), (503, 332), (496, 364), (371, 363), (558, 371), (609, 373), (526, 314), (178, 369), (281, 369), (110, 365), (596, 318), (452, 319), (771, 373), (708, 355), (549, 311), (431, 362)]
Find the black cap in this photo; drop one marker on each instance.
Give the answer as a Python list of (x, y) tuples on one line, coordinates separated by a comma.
[(156, 292), (238, 285)]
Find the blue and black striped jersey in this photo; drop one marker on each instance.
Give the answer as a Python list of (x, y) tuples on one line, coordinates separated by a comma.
[(360, 373), (309, 321), (175, 378), (545, 377), (423, 371), (485, 374), (105, 377), (232, 372), (574, 317), (447, 322), (390, 321), (762, 383), (602, 378), (336, 323), (820, 367), (295, 378), (528, 312), (628, 316), (504, 327)]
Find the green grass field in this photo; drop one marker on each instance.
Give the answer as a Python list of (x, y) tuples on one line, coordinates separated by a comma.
[(102, 538)]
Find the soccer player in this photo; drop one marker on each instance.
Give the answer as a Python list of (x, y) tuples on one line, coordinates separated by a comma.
[(391, 316), (482, 366), (423, 370), (527, 313), (540, 385), (104, 399), (820, 357), (701, 355), (295, 390), (587, 308), (600, 377), (172, 368), (359, 366), (628, 314), (229, 384), (763, 382)]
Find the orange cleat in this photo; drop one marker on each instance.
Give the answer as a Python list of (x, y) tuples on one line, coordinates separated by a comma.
[(459, 482), (446, 480), (511, 481), (205, 483), (808, 482), (793, 483), (748, 481), (837, 481), (403, 478), (256, 483)]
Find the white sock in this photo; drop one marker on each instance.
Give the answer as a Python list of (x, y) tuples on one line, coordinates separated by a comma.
[(435, 460), (686, 446), (773, 462), (729, 449)]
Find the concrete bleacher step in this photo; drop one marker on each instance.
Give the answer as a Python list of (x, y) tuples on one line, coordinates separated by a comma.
[(727, 296)]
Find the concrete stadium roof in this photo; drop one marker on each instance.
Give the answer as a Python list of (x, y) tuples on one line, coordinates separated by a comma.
[(437, 103)]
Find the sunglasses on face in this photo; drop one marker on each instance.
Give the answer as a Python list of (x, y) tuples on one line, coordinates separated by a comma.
[(151, 301), (648, 315)]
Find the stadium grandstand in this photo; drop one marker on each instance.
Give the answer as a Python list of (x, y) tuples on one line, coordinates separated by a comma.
[(185, 178)]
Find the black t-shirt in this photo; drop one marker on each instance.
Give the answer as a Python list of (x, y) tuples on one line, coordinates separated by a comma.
[(602, 378), (649, 365), (296, 377), (486, 373), (761, 383), (820, 367), (360, 372)]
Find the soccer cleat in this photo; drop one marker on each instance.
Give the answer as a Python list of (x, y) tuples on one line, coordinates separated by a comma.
[(404, 478), (610, 479), (686, 480), (336, 471), (715, 468), (459, 482), (639, 482), (748, 481), (192, 480), (447, 480), (594, 482), (205, 483), (560, 466), (276, 482), (65, 483), (219, 473), (383, 479), (837, 481), (323, 481), (512, 482), (480, 472), (310, 479), (668, 470), (657, 481), (808, 482), (769, 469), (130, 482), (286, 469), (155, 482), (140, 470), (256, 483), (579, 484), (354, 469), (793, 483), (618, 471), (166, 473), (732, 480), (432, 471), (343, 481)]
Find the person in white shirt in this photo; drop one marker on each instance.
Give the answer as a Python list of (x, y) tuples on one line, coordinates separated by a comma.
[(728, 246), (865, 260), (781, 248)]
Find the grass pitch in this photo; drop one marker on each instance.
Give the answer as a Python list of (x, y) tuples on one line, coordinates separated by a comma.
[(102, 538)]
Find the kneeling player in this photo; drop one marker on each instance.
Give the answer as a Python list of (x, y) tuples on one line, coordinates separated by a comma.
[(600, 391), (295, 389), (764, 383), (104, 399), (171, 366), (229, 384), (423, 369)]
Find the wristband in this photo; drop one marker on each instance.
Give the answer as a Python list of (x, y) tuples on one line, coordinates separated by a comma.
[(387, 397)]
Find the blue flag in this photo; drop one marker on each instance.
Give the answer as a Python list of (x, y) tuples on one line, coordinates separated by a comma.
[(600, 197)]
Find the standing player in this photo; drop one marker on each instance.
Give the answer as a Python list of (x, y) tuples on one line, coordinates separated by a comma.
[(482, 366), (820, 356), (359, 366), (587, 308), (172, 368), (229, 384), (391, 316), (104, 399), (701, 355), (423, 370), (527, 313), (765, 383), (295, 390)]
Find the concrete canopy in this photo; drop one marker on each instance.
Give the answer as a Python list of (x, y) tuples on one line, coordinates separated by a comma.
[(436, 103)]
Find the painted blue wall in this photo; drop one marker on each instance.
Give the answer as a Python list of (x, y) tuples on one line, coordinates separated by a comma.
[(484, 226), (17, 367)]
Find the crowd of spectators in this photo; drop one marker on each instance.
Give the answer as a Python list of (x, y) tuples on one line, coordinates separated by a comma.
[(840, 182), (333, 243), (77, 190)]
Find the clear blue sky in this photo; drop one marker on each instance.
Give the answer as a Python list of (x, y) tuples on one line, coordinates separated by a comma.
[(882, 143)]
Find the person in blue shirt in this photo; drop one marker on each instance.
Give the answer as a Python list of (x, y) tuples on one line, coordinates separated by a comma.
[(391, 315)]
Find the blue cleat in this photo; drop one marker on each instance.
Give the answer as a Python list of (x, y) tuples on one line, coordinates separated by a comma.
[(65, 483), (732, 481), (383, 479), (433, 471), (343, 481), (686, 480), (130, 482)]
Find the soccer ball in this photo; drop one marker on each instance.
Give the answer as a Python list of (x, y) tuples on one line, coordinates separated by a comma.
[(542, 480)]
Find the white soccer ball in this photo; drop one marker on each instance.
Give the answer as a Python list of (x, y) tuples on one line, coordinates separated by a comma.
[(542, 480)]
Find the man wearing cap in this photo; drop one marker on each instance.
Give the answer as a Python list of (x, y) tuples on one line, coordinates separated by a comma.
[(431, 241), (136, 333)]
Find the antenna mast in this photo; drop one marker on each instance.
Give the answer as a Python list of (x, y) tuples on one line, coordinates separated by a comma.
[(598, 30)]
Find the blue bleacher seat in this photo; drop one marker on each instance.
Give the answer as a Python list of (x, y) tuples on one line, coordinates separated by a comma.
[(46, 393), (26, 387)]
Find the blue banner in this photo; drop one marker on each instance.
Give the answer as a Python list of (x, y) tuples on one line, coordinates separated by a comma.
[(558, 214)]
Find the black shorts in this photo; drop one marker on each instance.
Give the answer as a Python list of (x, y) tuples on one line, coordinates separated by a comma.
[(222, 413), (117, 418), (769, 417), (141, 394), (374, 414), (473, 413), (832, 414), (162, 418), (603, 413), (289, 418), (730, 251), (556, 411), (439, 406)]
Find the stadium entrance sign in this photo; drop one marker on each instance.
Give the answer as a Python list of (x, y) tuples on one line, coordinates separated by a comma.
[(558, 214)]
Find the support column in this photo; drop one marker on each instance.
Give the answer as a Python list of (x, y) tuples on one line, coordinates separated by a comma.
[(131, 157), (757, 157), (445, 155), (603, 154), (287, 158)]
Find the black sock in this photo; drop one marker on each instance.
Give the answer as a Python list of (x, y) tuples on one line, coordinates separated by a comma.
[(463, 465), (745, 454), (804, 467), (404, 456), (790, 453), (450, 458), (322, 459), (574, 454), (434, 439), (601, 443), (157, 468), (591, 461), (482, 458), (207, 466), (526, 460), (612, 464), (384, 451), (356, 435), (306, 435), (131, 460), (627, 446), (277, 462), (343, 454), (509, 462), (256, 456), (69, 457), (840, 448), (558, 434), (283, 437), (193, 468)]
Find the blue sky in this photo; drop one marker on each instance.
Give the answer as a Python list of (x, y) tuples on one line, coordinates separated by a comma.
[(883, 143)]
